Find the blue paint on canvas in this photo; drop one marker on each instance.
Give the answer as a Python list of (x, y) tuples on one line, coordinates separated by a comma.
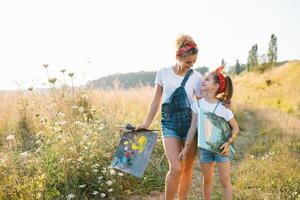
[(133, 152)]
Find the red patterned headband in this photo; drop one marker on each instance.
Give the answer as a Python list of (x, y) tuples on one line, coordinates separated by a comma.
[(222, 79), (186, 48)]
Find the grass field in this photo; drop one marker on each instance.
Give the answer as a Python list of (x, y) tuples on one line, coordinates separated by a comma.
[(59, 144)]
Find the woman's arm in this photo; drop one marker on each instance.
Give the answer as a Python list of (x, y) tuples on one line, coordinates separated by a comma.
[(153, 107)]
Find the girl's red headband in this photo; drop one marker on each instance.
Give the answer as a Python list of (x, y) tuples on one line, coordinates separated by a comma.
[(186, 48), (222, 79)]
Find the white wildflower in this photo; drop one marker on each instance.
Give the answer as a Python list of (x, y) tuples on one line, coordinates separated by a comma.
[(10, 137), (110, 190), (109, 183), (81, 109), (103, 195), (95, 193), (120, 174), (112, 172), (70, 196), (81, 186)]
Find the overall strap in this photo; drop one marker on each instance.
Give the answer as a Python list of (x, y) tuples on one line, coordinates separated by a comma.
[(186, 77), (216, 106)]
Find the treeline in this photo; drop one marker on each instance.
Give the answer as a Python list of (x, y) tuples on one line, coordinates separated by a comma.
[(130, 80), (256, 62), (136, 79)]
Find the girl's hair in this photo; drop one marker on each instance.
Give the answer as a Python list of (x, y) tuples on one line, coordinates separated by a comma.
[(183, 41), (227, 94)]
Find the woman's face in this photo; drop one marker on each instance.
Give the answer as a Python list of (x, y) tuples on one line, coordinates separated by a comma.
[(187, 62), (208, 84)]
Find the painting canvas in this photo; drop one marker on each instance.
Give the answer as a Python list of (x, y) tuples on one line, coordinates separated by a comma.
[(213, 131), (133, 152)]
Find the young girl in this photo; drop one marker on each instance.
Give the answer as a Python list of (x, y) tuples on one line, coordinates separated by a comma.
[(217, 89)]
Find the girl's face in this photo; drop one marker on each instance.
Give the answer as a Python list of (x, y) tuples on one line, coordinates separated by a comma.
[(208, 84), (187, 62)]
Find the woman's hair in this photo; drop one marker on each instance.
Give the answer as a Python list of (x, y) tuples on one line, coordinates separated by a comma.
[(227, 94), (184, 41)]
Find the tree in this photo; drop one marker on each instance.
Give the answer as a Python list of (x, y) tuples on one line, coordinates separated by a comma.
[(272, 52), (252, 58), (223, 63), (238, 68)]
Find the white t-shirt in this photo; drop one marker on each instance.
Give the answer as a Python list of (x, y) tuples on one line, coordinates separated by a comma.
[(221, 110), (170, 81)]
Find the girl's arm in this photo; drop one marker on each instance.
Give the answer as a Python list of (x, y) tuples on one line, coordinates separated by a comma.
[(190, 137), (235, 130), (153, 107)]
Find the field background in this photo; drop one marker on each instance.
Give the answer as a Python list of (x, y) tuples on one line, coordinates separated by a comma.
[(58, 143)]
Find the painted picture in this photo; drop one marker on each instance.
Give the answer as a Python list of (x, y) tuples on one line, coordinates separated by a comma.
[(133, 152), (213, 131)]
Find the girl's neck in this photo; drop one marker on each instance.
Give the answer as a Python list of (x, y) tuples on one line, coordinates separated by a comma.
[(210, 97)]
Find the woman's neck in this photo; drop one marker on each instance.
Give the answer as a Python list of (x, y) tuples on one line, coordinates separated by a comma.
[(210, 97), (178, 70)]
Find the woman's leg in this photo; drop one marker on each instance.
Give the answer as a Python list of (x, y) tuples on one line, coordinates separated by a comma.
[(172, 148), (187, 171), (224, 171), (207, 176)]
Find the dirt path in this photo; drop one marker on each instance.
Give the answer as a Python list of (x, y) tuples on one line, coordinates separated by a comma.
[(244, 139)]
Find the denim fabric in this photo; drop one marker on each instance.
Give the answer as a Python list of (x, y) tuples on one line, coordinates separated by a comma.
[(206, 156), (177, 113)]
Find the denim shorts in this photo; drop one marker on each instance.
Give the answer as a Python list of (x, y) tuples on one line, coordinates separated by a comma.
[(206, 156), (171, 133)]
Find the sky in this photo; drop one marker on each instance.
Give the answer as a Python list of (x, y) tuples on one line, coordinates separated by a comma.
[(95, 38)]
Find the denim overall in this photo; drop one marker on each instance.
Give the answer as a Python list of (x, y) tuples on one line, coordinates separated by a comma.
[(177, 113)]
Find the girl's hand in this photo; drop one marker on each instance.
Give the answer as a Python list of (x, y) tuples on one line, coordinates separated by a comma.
[(183, 154), (225, 148)]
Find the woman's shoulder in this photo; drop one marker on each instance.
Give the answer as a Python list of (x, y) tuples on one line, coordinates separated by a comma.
[(197, 75)]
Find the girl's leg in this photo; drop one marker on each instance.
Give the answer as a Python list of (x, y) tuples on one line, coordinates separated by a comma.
[(187, 171), (207, 176), (224, 171), (172, 148)]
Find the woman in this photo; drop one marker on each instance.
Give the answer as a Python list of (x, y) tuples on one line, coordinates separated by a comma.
[(177, 87)]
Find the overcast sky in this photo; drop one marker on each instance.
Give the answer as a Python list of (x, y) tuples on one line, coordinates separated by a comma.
[(97, 38)]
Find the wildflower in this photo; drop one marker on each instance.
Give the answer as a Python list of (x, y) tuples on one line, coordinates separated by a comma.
[(95, 170), (30, 88), (61, 114), (24, 154), (74, 107), (112, 172), (109, 183), (81, 109), (271, 153), (45, 65), (71, 74), (10, 137), (95, 193), (120, 174), (81, 186), (110, 190), (52, 80), (62, 123), (103, 195), (95, 165), (70, 196)]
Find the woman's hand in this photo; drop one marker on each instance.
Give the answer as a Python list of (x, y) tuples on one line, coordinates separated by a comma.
[(225, 148), (183, 154), (142, 126)]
